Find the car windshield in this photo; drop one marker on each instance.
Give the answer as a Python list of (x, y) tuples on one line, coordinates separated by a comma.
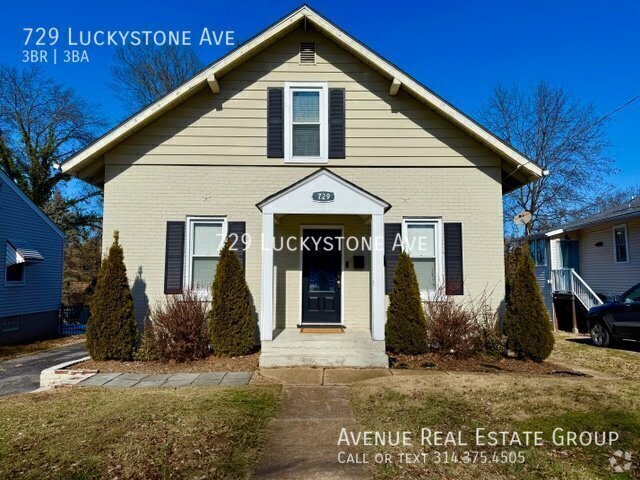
[(632, 295)]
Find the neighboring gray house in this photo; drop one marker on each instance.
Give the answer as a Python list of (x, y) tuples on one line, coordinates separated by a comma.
[(589, 260), (31, 269)]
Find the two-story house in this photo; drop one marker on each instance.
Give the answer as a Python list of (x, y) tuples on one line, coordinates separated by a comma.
[(322, 159)]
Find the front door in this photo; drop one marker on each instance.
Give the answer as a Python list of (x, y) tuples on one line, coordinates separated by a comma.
[(321, 276)]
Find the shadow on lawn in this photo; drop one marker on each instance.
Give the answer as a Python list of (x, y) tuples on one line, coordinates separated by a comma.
[(625, 346)]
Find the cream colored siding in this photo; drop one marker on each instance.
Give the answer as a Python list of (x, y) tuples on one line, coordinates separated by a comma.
[(140, 199), (207, 157), (230, 127), (288, 279), (597, 264)]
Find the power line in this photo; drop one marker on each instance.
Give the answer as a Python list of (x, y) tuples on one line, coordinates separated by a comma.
[(624, 105)]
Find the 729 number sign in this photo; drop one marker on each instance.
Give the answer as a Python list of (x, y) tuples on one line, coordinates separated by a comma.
[(323, 196)]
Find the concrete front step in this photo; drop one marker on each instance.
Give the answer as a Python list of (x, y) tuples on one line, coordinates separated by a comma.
[(353, 348)]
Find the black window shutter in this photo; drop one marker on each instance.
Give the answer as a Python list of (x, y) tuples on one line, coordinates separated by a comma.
[(453, 259), (275, 122), (174, 258), (336, 123), (236, 232), (392, 249)]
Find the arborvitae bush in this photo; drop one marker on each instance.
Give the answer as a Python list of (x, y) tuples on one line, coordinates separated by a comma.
[(231, 321), (176, 329), (526, 321), (406, 327), (112, 332)]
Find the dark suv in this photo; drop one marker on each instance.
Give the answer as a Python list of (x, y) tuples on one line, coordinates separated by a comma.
[(618, 319)]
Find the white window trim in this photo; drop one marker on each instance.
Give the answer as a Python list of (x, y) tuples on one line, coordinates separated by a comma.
[(191, 221), (289, 88), (439, 238), (626, 243), (19, 283)]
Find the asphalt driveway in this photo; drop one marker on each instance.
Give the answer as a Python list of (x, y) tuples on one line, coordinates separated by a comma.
[(22, 374)]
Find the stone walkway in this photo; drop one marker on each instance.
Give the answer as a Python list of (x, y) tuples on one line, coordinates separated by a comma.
[(304, 435), (139, 380)]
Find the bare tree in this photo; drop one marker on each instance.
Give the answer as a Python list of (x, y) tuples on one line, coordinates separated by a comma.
[(610, 199), (42, 123), (142, 74), (561, 134)]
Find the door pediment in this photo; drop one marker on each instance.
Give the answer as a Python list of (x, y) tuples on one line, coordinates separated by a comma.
[(323, 192)]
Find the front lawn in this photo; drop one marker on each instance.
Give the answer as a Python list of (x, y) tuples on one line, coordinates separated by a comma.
[(578, 351), (13, 351), (512, 402), (135, 433)]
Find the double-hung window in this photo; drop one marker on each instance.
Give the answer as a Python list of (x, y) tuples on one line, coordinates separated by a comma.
[(423, 244), (620, 244), (305, 118), (205, 237)]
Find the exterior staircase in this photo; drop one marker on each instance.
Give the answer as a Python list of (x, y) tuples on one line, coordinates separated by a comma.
[(567, 284), (567, 280), (351, 348)]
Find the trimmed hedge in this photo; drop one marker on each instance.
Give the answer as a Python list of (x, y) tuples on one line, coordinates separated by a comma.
[(231, 321), (526, 321), (406, 327), (112, 332)]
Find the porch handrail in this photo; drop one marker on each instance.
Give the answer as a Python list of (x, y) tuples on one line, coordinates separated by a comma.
[(561, 280), (568, 280), (583, 291)]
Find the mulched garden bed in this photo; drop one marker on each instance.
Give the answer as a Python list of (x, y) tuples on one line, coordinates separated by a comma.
[(246, 363), (478, 363)]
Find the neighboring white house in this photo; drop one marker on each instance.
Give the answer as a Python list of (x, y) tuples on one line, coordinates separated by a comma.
[(303, 133), (589, 260), (30, 268)]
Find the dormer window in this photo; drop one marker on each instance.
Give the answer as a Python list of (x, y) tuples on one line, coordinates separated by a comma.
[(305, 115)]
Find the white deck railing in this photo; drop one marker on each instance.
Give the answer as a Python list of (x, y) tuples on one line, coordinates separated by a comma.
[(567, 280)]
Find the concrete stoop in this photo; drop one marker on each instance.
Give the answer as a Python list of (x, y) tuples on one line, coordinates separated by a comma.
[(353, 348)]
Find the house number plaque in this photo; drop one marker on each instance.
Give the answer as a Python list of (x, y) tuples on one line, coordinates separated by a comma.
[(323, 196)]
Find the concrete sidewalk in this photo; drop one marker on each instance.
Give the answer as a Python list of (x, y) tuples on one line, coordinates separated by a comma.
[(303, 438), (140, 380)]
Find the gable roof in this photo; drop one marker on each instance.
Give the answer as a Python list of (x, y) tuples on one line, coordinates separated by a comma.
[(624, 211), (333, 176), (11, 184), (522, 165)]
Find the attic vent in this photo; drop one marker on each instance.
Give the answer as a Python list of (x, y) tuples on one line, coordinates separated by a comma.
[(308, 53)]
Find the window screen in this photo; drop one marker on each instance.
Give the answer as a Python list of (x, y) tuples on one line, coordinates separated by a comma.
[(421, 245), (305, 123)]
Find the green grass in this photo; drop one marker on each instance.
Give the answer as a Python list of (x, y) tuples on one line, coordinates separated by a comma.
[(514, 403), (135, 433)]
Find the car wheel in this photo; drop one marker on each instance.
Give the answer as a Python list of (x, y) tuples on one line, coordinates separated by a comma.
[(600, 335)]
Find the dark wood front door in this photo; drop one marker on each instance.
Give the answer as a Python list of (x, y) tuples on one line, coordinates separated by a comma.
[(321, 276)]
